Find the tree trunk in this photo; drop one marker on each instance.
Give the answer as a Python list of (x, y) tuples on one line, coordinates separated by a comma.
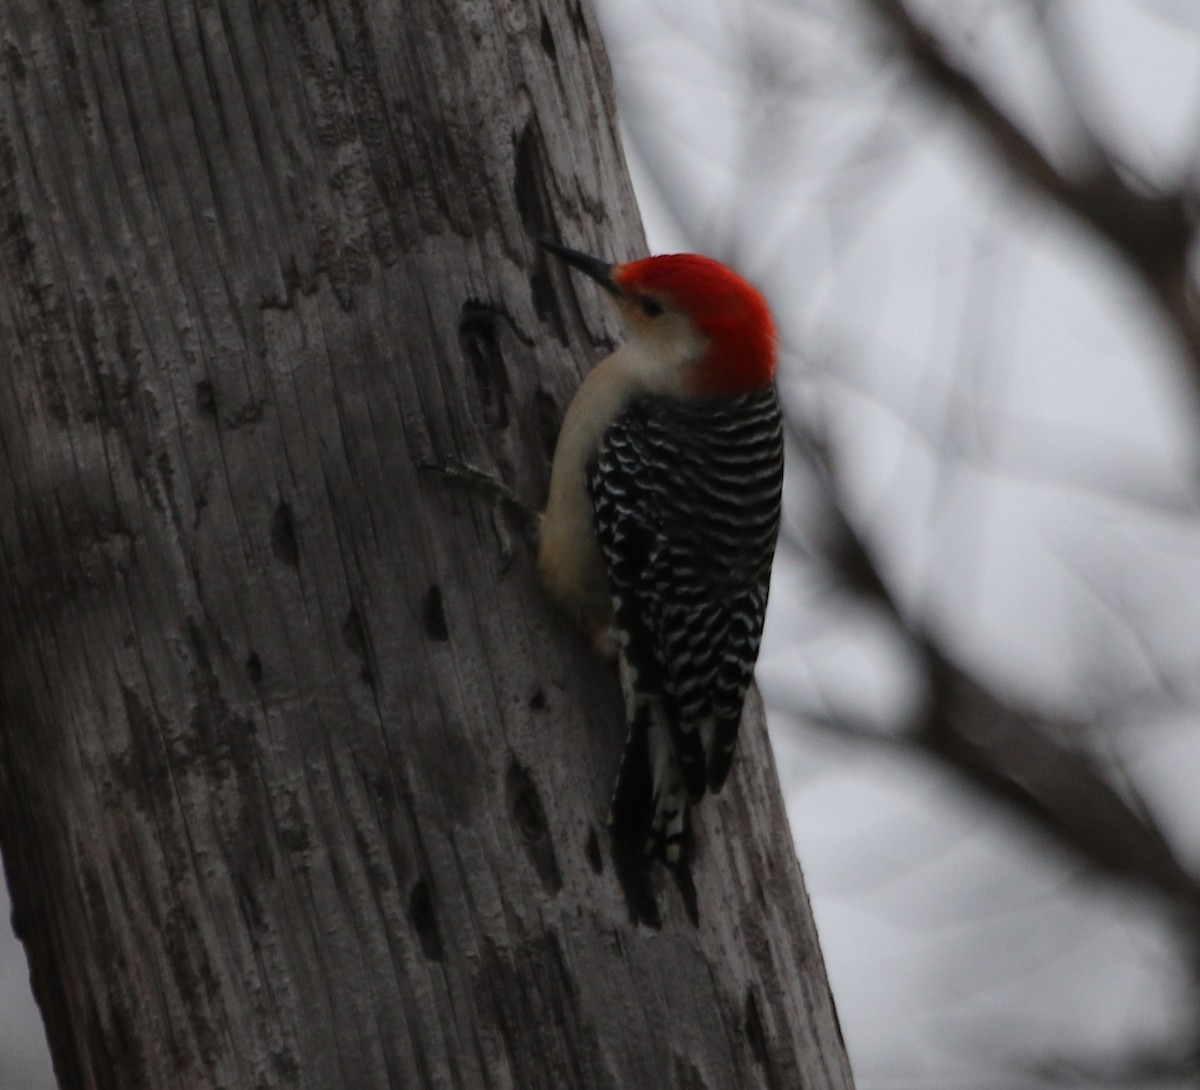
[(297, 787)]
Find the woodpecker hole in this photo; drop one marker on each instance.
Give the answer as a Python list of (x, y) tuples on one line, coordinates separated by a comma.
[(539, 222), (421, 916), (756, 1036), (254, 669), (529, 188), (525, 805), (283, 536), (354, 635), (547, 38), (545, 301), (592, 851), (433, 615), (479, 336), (537, 702), (537, 215), (206, 399), (549, 421)]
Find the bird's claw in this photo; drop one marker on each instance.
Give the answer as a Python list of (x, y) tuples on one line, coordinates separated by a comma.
[(496, 490)]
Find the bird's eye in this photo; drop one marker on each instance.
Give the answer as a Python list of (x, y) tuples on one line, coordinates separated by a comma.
[(651, 308)]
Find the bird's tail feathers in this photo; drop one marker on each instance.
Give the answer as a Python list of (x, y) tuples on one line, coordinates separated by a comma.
[(649, 811), (649, 814)]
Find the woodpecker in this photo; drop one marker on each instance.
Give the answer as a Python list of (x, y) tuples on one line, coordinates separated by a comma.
[(661, 524)]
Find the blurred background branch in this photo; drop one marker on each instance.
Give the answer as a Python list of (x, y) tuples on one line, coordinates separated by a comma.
[(1154, 230), (1016, 756)]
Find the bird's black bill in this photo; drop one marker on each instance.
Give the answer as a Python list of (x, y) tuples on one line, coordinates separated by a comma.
[(600, 271)]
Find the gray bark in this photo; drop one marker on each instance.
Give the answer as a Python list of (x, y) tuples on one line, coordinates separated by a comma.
[(297, 788)]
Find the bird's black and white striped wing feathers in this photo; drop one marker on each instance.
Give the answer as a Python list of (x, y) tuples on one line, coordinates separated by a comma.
[(686, 503)]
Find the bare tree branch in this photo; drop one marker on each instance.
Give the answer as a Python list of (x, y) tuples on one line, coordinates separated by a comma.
[(1152, 232), (1016, 757)]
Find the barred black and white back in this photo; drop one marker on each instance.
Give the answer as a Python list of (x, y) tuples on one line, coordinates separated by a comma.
[(685, 495)]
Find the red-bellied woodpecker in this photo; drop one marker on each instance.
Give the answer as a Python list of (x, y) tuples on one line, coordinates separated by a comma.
[(661, 525)]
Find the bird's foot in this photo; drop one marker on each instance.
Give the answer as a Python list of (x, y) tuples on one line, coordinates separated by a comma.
[(497, 491)]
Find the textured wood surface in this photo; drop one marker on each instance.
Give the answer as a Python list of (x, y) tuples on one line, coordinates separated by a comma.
[(297, 789)]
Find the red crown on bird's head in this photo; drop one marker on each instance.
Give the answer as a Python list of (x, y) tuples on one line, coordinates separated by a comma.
[(728, 311)]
